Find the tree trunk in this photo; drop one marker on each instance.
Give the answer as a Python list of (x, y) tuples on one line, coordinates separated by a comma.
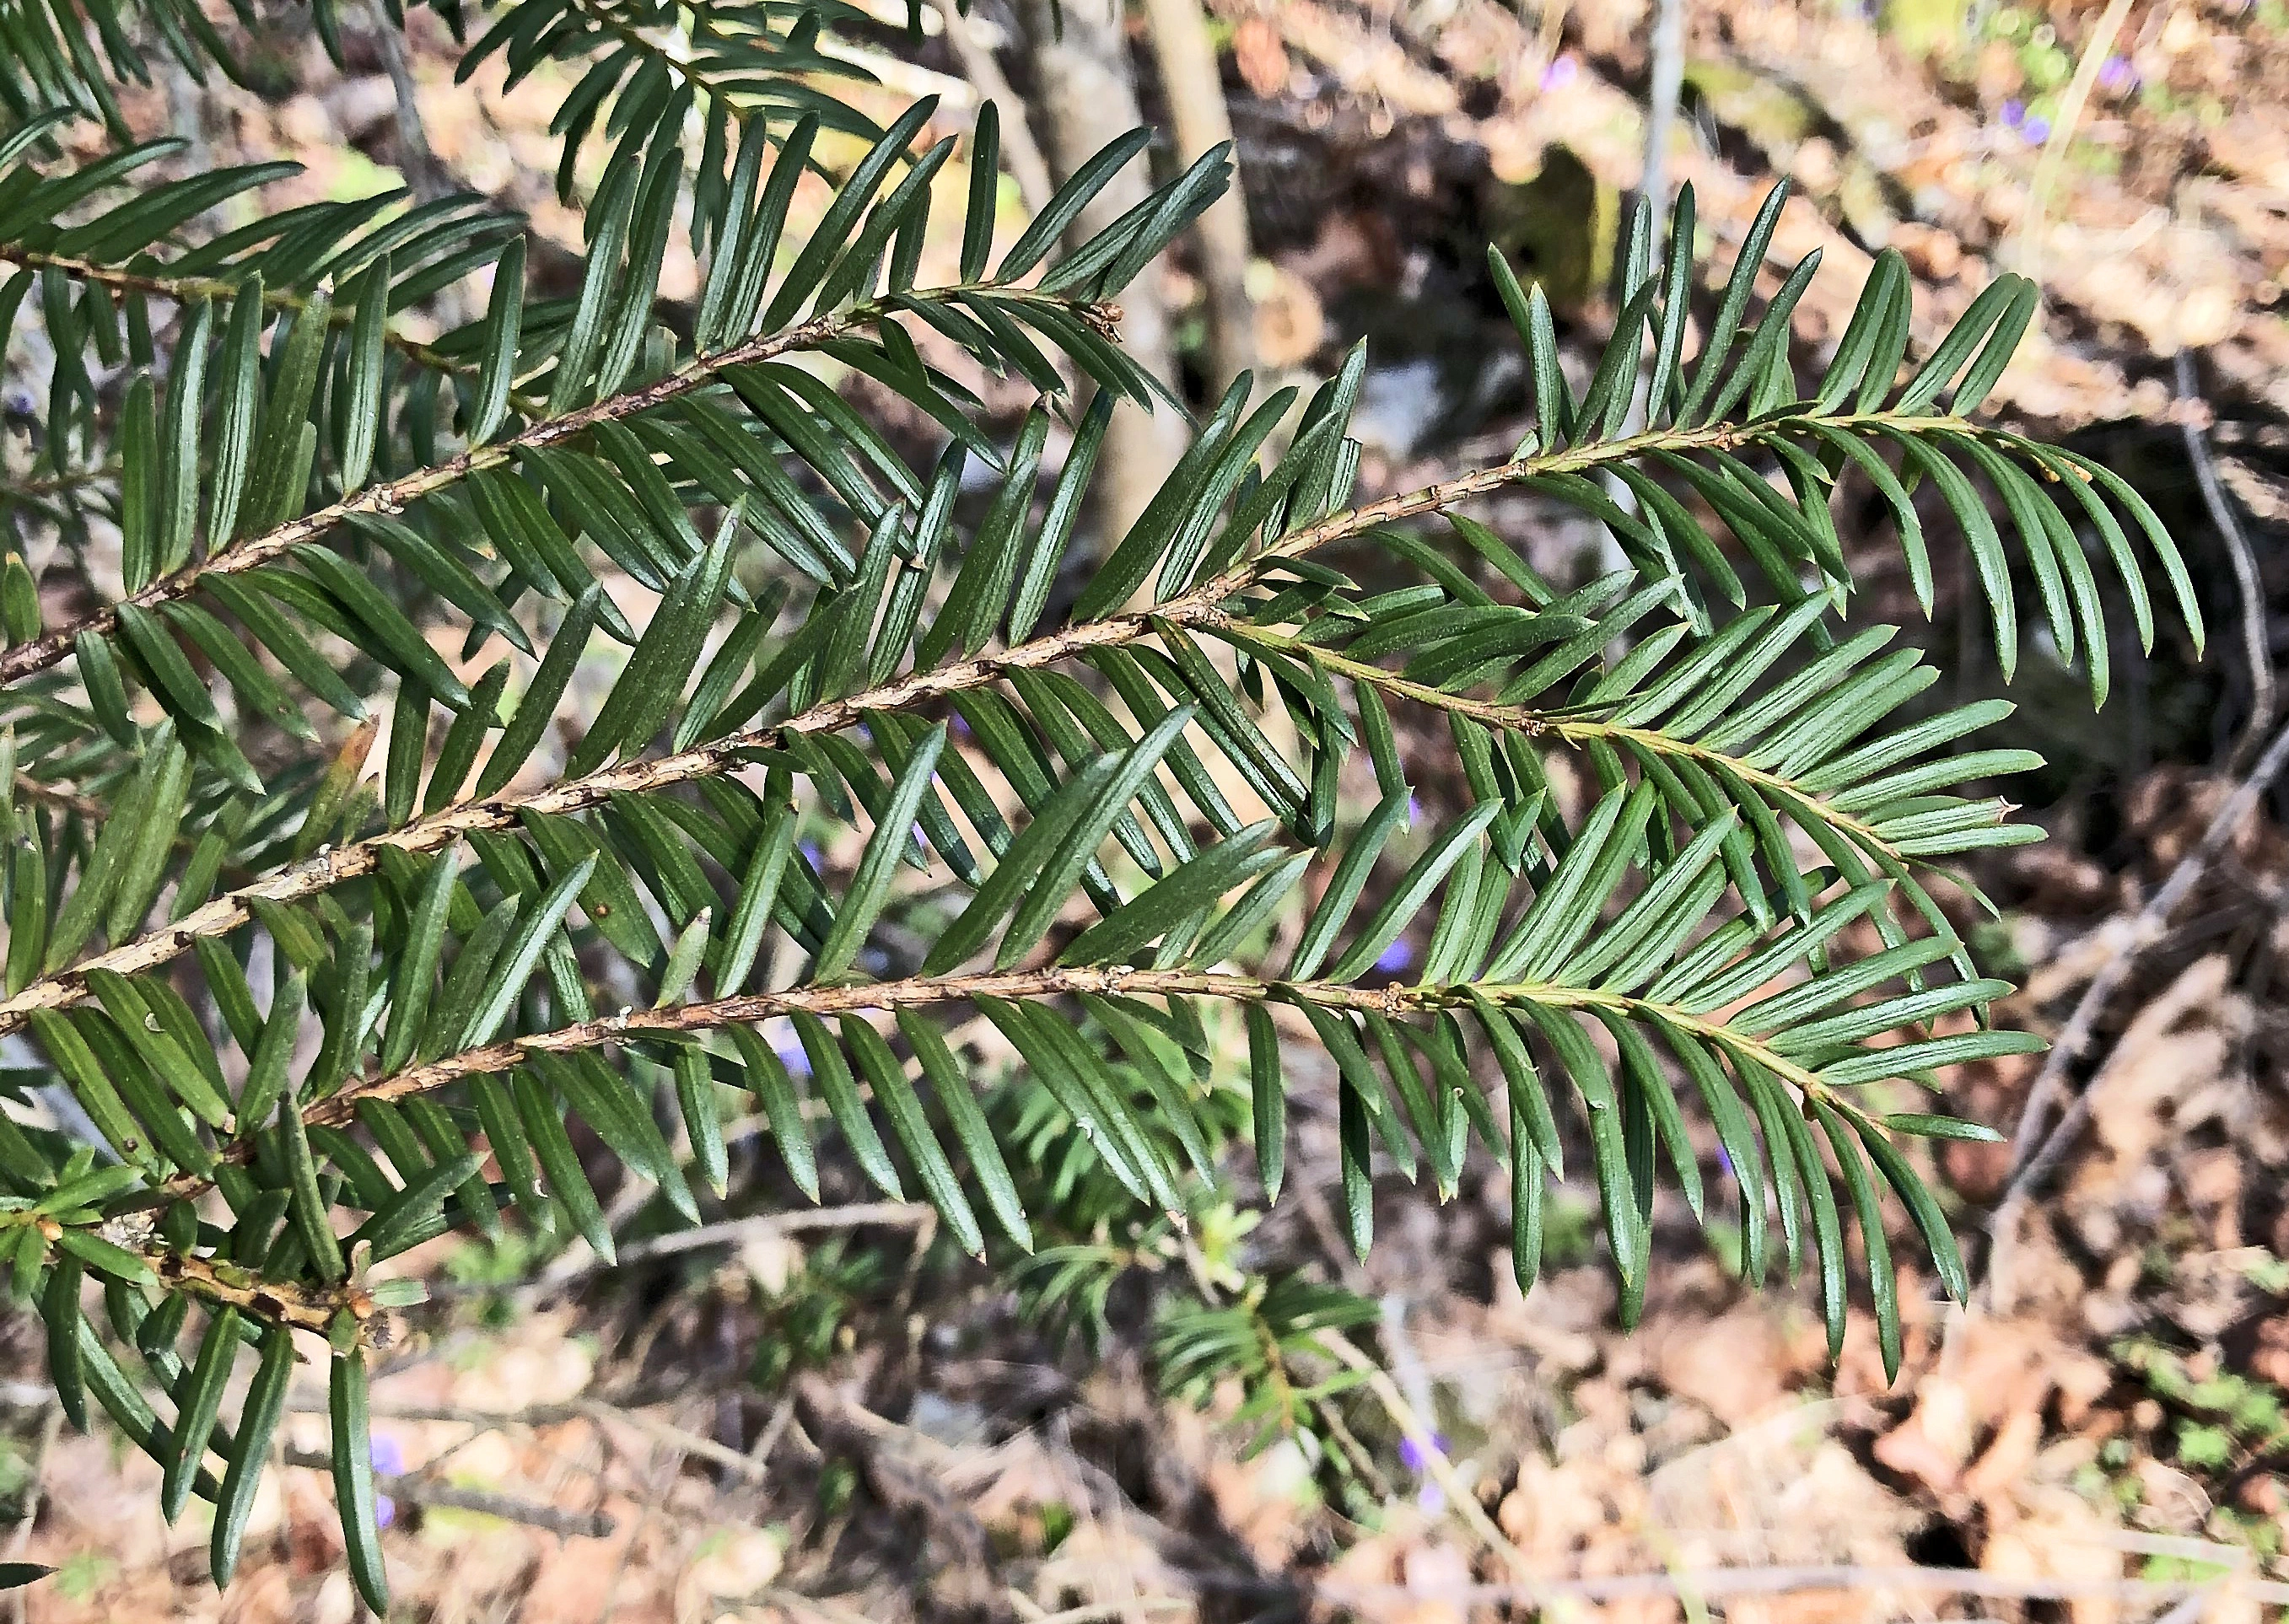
[(1084, 96), (1195, 87), (1019, 153)]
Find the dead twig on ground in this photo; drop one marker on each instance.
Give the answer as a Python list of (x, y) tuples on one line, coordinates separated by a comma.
[(731, 1232), (596, 1410), (2257, 644), (1713, 1583), (2036, 1151), (674, 1436), (2095, 52), (425, 177), (51, 1426), (897, 1462), (1108, 1613), (417, 1489), (1441, 1469)]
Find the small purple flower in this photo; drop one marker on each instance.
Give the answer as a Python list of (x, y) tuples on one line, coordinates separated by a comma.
[(1413, 810), (19, 401), (2116, 76), (2037, 129), (1395, 957), (1411, 1454), (2014, 113), (811, 852), (388, 1462), (1560, 72)]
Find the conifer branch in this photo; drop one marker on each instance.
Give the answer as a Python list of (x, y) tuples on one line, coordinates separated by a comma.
[(685, 1020), (189, 290), (394, 496), (1594, 963), (1539, 723), (1055, 981)]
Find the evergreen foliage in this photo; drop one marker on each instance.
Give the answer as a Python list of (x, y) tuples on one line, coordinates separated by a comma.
[(319, 946)]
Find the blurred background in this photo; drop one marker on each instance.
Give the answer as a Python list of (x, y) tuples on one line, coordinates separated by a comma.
[(834, 1416)]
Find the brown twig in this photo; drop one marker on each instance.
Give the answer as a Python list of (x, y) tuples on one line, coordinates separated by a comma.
[(1019, 150), (40, 490), (920, 992), (392, 496), (303, 1307), (419, 1489), (2036, 1151), (425, 177), (597, 1411), (315, 1310), (903, 1478), (1849, 1578), (728, 1233), (1573, 730), (903, 1214), (1110, 1613), (51, 1426), (2095, 52), (2257, 646), (1403, 1415), (676, 62), (673, 1437), (58, 795), (188, 290)]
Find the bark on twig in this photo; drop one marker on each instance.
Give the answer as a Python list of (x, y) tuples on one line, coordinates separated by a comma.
[(414, 1489), (906, 1214), (392, 496)]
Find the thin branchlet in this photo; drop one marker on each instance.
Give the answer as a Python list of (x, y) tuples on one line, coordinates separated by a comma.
[(676, 61), (394, 496), (298, 1305), (691, 1020), (188, 290)]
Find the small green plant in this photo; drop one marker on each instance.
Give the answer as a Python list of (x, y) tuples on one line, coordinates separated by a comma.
[(1222, 1320), (810, 1318), (325, 944), (2226, 1422), (83, 1574)]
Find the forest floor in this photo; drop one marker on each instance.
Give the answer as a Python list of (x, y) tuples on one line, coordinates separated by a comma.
[(2102, 1436)]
